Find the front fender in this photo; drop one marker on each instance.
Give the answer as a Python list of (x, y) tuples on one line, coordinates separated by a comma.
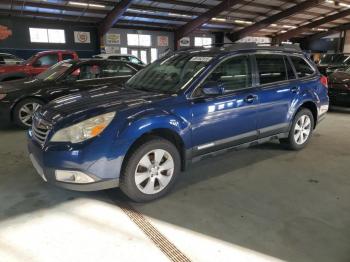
[(136, 126)]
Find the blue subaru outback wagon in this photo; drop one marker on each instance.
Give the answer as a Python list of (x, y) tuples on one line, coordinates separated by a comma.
[(181, 108)]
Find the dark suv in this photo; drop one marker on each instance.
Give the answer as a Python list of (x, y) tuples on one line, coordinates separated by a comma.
[(181, 108)]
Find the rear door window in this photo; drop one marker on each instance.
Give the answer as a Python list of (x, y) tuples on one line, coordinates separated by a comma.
[(302, 68), (271, 68)]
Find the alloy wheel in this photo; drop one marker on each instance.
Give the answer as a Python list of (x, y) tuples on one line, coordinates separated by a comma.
[(154, 171), (26, 112), (302, 129)]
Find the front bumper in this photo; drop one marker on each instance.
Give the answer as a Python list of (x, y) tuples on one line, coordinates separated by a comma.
[(46, 161), (5, 113), (339, 97)]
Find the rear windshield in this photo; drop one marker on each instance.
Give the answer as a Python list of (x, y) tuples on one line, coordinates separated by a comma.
[(335, 59)]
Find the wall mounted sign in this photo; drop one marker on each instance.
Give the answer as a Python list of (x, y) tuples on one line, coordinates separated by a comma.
[(112, 49), (256, 39), (185, 41), (5, 32), (82, 37), (113, 39), (163, 41)]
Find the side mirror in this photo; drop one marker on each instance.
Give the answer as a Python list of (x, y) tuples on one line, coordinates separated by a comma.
[(213, 88), (71, 78), (37, 63)]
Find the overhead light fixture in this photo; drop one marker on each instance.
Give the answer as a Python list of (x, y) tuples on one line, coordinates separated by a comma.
[(283, 31), (274, 25), (289, 26), (243, 22), (219, 19), (320, 29), (179, 15), (86, 4), (344, 4), (97, 5)]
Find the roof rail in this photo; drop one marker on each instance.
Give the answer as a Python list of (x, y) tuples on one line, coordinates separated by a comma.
[(254, 45)]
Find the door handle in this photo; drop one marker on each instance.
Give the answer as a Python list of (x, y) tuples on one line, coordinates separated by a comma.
[(295, 89), (250, 99)]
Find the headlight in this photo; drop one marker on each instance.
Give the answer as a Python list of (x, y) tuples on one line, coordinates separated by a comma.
[(2, 96), (84, 130)]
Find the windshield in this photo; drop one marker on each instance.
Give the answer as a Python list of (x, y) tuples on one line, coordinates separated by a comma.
[(29, 60), (335, 59), (55, 71), (170, 74)]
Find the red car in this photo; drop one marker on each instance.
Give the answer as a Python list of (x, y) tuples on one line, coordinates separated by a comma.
[(35, 65)]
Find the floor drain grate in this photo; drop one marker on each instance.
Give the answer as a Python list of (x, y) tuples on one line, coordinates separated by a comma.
[(169, 249)]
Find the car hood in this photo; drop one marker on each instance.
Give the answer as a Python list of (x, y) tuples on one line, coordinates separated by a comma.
[(87, 104), (20, 84), (11, 68)]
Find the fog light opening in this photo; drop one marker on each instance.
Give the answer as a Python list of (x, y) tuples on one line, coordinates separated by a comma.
[(73, 177)]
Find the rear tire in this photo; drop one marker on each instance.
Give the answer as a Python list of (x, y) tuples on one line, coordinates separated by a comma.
[(23, 112), (301, 130), (150, 170)]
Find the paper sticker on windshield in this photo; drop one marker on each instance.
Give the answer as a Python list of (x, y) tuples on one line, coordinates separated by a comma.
[(205, 59)]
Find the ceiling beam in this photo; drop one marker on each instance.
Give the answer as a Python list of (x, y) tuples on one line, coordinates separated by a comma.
[(203, 18), (309, 26), (113, 16), (272, 19)]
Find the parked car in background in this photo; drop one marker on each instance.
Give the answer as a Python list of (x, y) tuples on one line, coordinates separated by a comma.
[(19, 99), (179, 109), (9, 59), (339, 88), (127, 58), (330, 63), (35, 65)]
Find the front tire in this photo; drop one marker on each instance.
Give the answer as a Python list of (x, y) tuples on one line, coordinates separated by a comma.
[(301, 130), (151, 170), (24, 110)]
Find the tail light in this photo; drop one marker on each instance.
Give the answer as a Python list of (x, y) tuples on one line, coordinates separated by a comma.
[(324, 81)]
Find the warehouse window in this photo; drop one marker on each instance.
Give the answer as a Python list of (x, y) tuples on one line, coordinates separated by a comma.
[(154, 54), (202, 41), (139, 40), (43, 35)]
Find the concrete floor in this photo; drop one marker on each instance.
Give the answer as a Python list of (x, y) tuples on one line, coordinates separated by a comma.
[(260, 204)]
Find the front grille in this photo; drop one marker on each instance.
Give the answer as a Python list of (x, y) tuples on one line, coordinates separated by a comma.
[(40, 129)]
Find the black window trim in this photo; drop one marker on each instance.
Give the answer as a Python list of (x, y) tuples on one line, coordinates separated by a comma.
[(231, 92)]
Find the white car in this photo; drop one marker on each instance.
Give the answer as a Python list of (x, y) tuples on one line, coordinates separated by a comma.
[(9, 59), (127, 58)]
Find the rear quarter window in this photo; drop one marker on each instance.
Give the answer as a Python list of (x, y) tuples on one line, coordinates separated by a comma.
[(302, 68)]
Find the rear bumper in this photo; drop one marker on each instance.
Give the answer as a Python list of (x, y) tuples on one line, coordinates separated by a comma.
[(47, 161)]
